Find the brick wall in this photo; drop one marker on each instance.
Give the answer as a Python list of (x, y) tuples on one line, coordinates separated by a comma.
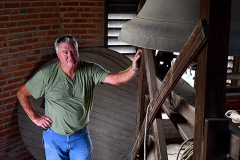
[(27, 33)]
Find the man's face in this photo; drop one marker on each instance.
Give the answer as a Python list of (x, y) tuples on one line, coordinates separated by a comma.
[(68, 55)]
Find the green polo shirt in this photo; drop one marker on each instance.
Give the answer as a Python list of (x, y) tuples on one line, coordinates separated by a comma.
[(67, 102)]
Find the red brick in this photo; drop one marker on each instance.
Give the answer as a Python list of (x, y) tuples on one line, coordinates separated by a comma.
[(52, 32), (80, 9), (4, 76), (17, 18), (99, 4), (38, 4), (42, 33), (2, 109), (98, 10), (4, 57), (39, 45), (71, 9), (12, 50), (97, 21), (6, 12), (11, 87), (16, 30), (30, 59), (87, 4), (100, 15), (11, 5), (44, 39), (63, 9), (71, 15), (16, 43), (3, 51), (11, 69), (22, 154), (87, 26), (66, 20), (57, 26), (25, 4), (24, 48), (3, 64), (51, 4), (19, 73), (11, 24), (14, 92), (35, 10), (32, 16), (4, 95), (80, 20), (26, 35), (89, 37), (4, 44), (88, 15), (30, 28), (5, 120), (46, 15), (87, 9), (14, 80), (71, 25), (13, 56), (2, 38), (2, 25), (95, 31), (11, 124), (31, 40), (16, 11), (75, 4), (3, 31), (4, 19), (38, 22), (12, 37), (79, 31), (16, 61), (9, 106), (25, 66), (50, 21), (24, 23)]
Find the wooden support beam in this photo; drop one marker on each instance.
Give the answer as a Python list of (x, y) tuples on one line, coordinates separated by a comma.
[(152, 89), (160, 139), (211, 72), (150, 72), (185, 130), (182, 100), (216, 135), (189, 52), (140, 114)]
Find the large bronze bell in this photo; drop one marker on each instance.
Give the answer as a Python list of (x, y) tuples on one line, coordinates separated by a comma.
[(167, 24), (162, 24)]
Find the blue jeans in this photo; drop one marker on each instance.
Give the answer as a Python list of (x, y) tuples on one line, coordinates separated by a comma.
[(77, 146)]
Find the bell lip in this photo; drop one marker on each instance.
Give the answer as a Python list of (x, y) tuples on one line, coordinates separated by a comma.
[(135, 32)]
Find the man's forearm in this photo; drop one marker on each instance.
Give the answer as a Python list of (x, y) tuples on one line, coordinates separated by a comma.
[(24, 98), (25, 102)]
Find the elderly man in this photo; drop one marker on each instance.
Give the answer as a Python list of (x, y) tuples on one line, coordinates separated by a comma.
[(68, 89)]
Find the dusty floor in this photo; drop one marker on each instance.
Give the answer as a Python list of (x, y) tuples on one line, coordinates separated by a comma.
[(172, 151)]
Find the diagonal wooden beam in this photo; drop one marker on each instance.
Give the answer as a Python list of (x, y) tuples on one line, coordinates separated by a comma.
[(190, 51)]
